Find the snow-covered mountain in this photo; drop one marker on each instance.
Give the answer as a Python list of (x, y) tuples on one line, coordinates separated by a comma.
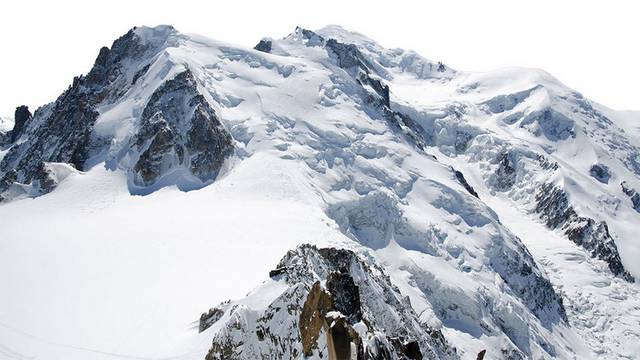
[(317, 196)]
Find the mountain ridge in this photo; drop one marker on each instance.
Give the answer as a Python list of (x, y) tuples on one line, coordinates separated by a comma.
[(402, 159)]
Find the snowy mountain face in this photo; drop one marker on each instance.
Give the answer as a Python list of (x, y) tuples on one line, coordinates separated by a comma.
[(324, 197)]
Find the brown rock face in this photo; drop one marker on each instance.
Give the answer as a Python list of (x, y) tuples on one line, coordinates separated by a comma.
[(312, 318)]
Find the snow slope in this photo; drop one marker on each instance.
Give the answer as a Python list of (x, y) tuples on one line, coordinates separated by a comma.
[(337, 142), (6, 124)]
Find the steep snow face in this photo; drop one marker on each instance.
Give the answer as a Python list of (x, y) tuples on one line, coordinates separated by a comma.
[(323, 138)]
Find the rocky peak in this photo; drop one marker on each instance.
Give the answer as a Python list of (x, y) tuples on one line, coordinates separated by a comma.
[(264, 45), (633, 195), (178, 126), (323, 313), (556, 211), (21, 118), (179, 129)]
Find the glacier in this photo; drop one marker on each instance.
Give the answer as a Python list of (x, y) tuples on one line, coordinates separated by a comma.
[(316, 196)]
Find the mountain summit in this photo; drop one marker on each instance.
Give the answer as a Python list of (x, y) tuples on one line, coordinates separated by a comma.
[(316, 196)]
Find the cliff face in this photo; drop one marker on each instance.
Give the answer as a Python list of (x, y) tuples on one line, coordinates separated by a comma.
[(177, 131), (323, 313)]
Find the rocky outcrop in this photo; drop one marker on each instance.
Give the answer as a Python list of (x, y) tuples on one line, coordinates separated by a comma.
[(264, 45), (8, 179), (62, 132), (211, 317), (600, 172), (518, 269), (345, 295), (464, 183), (373, 91), (338, 305), (505, 174), (178, 129), (21, 118), (633, 195), (555, 210)]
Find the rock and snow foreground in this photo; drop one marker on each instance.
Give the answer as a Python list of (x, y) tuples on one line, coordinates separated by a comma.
[(374, 205)]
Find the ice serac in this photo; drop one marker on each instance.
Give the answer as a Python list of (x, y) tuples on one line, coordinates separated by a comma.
[(337, 305)]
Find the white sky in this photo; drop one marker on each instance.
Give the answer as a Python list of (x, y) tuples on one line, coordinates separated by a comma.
[(591, 46)]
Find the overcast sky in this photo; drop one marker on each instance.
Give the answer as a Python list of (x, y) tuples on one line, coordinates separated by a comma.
[(591, 47)]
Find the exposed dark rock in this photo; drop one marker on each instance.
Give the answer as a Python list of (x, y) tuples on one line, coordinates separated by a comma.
[(44, 179), (546, 164), (518, 270), (307, 311), (553, 206), (209, 318), (340, 338), (412, 350), (555, 210), (505, 175), (140, 73), (351, 59), (632, 194), (407, 126), (276, 272), (348, 55), (600, 172), (63, 131), (481, 354), (151, 163), (380, 89), (8, 179), (311, 38), (465, 184), (339, 259), (512, 354), (264, 45), (345, 295), (202, 149), (22, 117), (64, 136)]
